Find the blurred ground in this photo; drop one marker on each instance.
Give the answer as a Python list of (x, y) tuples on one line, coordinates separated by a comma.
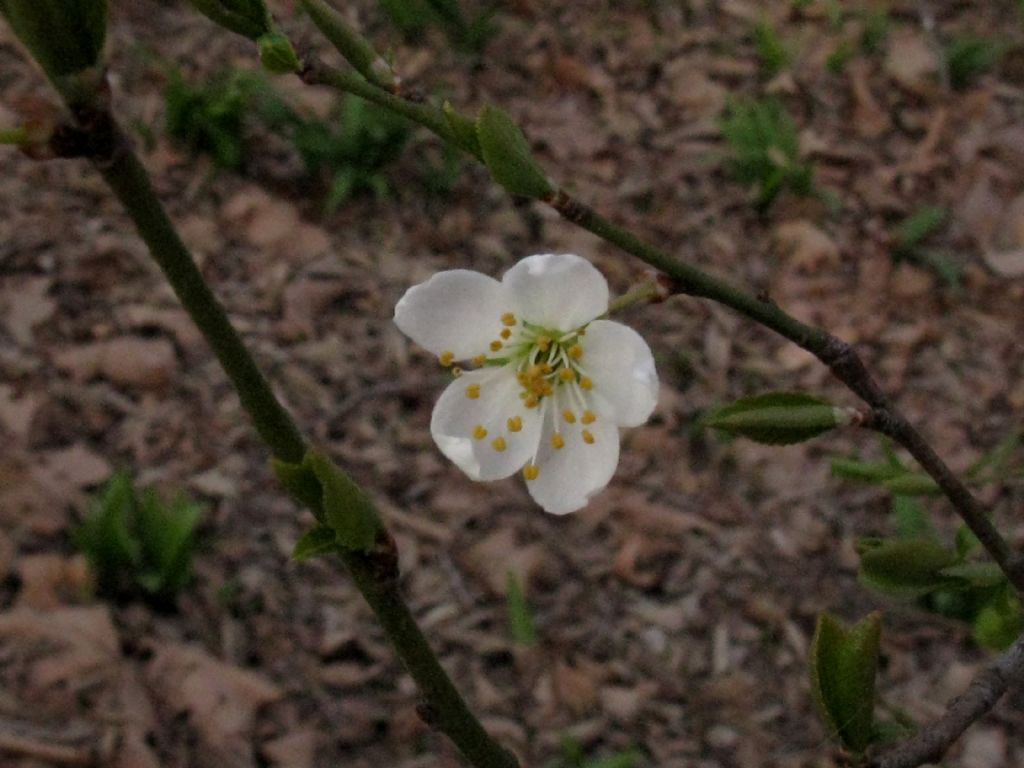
[(674, 614)]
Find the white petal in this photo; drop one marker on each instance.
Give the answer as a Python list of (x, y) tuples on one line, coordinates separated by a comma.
[(621, 365), (456, 416), (457, 311), (560, 291), (571, 475)]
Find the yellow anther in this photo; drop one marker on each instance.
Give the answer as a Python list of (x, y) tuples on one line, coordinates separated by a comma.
[(547, 389), (543, 342), (569, 416), (495, 345), (515, 423), (566, 374), (530, 471), (508, 319), (546, 368), (523, 378), (479, 360), (557, 441), (473, 391), (588, 438), (588, 417), (446, 358), (479, 431), (575, 351), (531, 401), (456, 372), (505, 333), (586, 383), (499, 444)]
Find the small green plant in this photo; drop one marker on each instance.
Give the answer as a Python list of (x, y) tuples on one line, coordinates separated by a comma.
[(137, 542), (573, 756), (467, 33), (771, 53), (909, 244), (967, 58), (349, 150), (520, 621), (838, 59), (765, 149)]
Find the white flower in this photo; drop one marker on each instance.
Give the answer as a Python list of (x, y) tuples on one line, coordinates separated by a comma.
[(552, 382)]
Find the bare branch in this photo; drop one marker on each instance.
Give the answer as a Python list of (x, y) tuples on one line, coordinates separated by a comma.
[(930, 743)]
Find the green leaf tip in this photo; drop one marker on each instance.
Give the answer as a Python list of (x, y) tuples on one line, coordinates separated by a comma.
[(906, 568), (248, 18), (321, 540), (507, 155), (843, 667), (66, 37), (277, 55), (778, 418)]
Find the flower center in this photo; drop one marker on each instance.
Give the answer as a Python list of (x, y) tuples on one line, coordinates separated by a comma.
[(549, 367)]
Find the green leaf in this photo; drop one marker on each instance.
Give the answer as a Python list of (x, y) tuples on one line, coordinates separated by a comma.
[(966, 541), (776, 418), (999, 623), (167, 536), (911, 519), (302, 485), (507, 155), (277, 55), (347, 508), (317, 541), (464, 129), (921, 223), (905, 568), (248, 18), (912, 484), (976, 574), (64, 36), (520, 621), (843, 666), (105, 537), (854, 469)]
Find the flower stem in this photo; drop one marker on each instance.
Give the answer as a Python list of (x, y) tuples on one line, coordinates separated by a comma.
[(16, 136), (447, 710), (640, 293)]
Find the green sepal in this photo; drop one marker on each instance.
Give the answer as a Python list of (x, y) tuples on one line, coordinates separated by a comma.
[(302, 485), (843, 666), (321, 540), (347, 508), (905, 568), (277, 55), (776, 418), (65, 36), (248, 18), (507, 155), (463, 129)]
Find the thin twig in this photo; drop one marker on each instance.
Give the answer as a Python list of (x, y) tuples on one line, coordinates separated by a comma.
[(96, 136), (930, 743), (838, 355)]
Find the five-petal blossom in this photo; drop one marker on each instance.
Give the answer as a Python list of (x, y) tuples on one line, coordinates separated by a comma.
[(552, 380)]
